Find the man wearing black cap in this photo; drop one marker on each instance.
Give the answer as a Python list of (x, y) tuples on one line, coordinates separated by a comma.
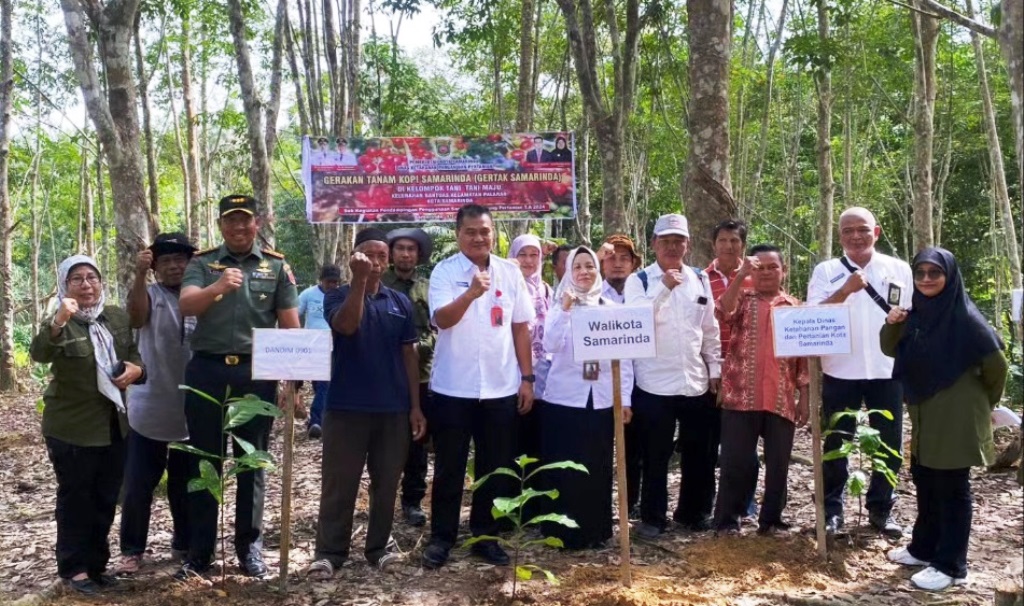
[(311, 314), (372, 408), (408, 248), (156, 408), (231, 289)]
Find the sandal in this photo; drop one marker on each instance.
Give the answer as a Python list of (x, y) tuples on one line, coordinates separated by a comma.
[(129, 564), (320, 570)]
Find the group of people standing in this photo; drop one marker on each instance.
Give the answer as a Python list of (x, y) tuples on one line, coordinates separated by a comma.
[(482, 352)]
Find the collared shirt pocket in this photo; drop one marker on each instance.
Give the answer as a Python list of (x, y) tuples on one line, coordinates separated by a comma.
[(261, 293)]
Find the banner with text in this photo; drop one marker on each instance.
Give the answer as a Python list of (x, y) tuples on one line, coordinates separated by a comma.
[(420, 179), (613, 332), (811, 330)]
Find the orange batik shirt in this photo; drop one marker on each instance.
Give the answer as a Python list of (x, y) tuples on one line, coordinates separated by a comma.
[(753, 379)]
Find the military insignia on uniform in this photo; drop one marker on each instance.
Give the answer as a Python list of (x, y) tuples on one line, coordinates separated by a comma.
[(264, 265), (263, 296)]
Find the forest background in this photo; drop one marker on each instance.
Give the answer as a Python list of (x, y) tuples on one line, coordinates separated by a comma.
[(125, 117)]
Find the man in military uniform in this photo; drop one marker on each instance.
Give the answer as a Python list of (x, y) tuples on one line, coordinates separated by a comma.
[(231, 289), (409, 248)]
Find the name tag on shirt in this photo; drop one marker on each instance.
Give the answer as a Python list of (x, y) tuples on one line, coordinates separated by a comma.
[(262, 275), (836, 279), (462, 284)]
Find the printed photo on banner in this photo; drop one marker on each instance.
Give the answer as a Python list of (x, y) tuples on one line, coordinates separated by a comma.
[(423, 179)]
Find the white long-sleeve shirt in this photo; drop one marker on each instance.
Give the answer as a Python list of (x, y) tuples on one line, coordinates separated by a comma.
[(566, 385), (686, 334), (865, 360)]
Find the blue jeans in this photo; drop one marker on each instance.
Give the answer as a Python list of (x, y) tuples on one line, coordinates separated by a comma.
[(316, 411)]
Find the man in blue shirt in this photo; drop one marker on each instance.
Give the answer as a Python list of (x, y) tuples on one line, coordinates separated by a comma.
[(372, 406), (311, 313)]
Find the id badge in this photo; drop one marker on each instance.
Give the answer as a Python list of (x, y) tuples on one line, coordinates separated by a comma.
[(894, 294), (497, 316), (591, 371)]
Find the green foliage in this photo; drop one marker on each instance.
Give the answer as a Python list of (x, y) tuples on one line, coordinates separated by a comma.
[(512, 508), (865, 445)]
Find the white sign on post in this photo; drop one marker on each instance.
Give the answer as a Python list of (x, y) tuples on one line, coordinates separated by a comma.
[(811, 330), (295, 354), (612, 332)]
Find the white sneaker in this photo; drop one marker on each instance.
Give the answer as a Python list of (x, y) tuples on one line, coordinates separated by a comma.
[(901, 556), (931, 579)]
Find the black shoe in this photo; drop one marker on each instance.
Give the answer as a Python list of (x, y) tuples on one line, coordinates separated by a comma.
[(435, 556), (490, 552), (768, 528), (252, 564), (104, 580), (85, 586), (883, 523), (414, 515), (189, 570), (833, 524), (314, 432)]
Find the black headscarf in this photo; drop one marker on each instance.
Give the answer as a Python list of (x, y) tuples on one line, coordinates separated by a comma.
[(945, 335)]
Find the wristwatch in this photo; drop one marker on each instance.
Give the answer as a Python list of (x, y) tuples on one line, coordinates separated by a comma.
[(530, 378)]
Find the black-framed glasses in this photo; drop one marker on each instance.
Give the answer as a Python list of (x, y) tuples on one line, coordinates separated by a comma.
[(930, 274), (79, 280)]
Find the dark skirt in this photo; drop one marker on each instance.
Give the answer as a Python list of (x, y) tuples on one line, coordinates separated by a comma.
[(586, 436)]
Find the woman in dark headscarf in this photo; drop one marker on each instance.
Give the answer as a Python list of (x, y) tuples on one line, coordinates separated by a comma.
[(561, 153), (951, 365), (93, 358)]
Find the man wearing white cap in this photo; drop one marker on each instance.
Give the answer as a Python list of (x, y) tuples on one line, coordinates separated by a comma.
[(679, 384)]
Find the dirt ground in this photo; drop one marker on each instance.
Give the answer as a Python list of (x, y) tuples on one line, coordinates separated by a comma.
[(679, 569)]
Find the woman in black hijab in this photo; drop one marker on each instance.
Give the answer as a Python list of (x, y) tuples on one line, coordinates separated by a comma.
[(951, 365)]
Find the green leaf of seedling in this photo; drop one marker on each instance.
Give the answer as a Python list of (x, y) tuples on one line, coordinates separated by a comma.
[(842, 452), (885, 413), (484, 537), (246, 445), (839, 416), (501, 471), (554, 518), (195, 451), (550, 576), (523, 461), (201, 394), (889, 451), (559, 465), (857, 482), (243, 410), (547, 541), (259, 459), (497, 514), (524, 573)]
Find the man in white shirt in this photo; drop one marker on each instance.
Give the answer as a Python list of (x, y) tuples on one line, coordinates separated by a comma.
[(481, 379), (868, 282), (679, 384)]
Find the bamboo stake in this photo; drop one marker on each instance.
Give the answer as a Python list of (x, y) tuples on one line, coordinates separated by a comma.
[(620, 467), (286, 483), (816, 446)]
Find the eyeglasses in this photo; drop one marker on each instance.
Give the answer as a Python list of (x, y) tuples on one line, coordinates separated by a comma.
[(929, 274), (79, 280)]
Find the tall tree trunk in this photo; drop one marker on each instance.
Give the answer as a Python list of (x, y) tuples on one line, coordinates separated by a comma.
[(762, 148), (706, 188), (826, 183), (192, 172), (8, 380), (583, 214), (524, 97), (147, 130), (610, 120), (115, 114), (1000, 193), (1011, 43), (261, 128), (179, 143), (926, 31), (88, 242), (293, 65)]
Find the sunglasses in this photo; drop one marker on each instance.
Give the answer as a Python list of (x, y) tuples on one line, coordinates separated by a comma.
[(929, 274)]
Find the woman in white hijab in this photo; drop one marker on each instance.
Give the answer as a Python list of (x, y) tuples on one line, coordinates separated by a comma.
[(576, 421), (93, 358)]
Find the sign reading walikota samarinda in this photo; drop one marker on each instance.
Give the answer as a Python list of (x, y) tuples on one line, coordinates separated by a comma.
[(421, 179)]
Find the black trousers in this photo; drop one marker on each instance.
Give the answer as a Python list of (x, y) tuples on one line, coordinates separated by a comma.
[(88, 483), (739, 466), (655, 418), (205, 422), (944, 512), (491, 424), (146, 461), (414, 476), (843, 394), (634, 456), (354, 440)]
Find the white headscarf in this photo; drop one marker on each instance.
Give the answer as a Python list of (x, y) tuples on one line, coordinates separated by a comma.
[(519, 244), (102, 340), (585, 296)]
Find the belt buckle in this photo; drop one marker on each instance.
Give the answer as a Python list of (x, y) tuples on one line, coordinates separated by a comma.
[(231, 360)]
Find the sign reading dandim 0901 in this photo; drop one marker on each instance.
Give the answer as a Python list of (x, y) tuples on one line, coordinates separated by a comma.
[(421, 179)]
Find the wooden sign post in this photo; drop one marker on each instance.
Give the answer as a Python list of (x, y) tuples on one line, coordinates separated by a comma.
[(615, 333), (290, 355), (816, 448)]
